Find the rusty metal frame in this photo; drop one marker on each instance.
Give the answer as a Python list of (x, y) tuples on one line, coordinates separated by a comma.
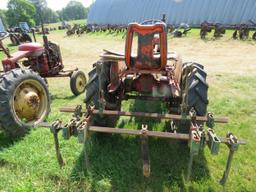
[(80, 125), (143, 114)]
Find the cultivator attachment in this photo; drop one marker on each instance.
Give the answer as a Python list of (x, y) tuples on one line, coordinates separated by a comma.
[(198, 137)]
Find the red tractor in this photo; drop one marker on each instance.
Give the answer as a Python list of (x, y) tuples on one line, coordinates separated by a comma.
[(147, 71), (152, 72), (24, 96)]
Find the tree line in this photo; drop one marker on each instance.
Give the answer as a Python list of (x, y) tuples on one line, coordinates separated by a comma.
[(30, 10)]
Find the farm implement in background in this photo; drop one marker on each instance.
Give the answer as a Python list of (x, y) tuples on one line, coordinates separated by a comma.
[(18, 36), (150, 74), (219, 29), (242, 31)]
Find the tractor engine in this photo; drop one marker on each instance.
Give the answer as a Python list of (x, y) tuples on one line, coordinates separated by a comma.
[(47, 63), (149, 84), (55, 59), (38, 64)]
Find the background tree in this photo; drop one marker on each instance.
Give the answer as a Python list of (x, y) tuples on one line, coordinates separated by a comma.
[(20, 11), (48, 15), (73, 11)]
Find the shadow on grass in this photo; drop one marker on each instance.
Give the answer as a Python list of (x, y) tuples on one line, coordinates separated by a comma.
[(115, 161), (5, 141), (56, 97)]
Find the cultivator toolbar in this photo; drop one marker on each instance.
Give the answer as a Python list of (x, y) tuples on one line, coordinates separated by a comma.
[(198, 136)]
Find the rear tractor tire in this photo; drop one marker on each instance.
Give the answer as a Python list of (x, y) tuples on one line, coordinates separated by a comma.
[(92, 96), (24, 101), (254, 36), (197, 95), (77, 82)]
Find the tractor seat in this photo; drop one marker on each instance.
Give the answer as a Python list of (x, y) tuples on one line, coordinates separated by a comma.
[(148, 37)]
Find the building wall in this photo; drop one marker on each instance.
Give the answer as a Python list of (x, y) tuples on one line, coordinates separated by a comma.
[(193, 12)]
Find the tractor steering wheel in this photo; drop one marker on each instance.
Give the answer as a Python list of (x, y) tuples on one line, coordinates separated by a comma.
[(151, 22), (3, 35)]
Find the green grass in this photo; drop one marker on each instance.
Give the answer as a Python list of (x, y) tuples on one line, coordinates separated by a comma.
[(29, 164)]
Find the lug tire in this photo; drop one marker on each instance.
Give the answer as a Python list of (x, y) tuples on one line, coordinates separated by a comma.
[(92, 96), (197, 95), (15, 41), (198, 88), (77, 82), (10, 83), (26, 38), (254, 36)]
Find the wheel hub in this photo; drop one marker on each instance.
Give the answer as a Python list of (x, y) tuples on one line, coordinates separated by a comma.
[(27, 103), (80, 83)]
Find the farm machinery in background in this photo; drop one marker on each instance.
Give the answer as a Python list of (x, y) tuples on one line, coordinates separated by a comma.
[(18, 36), (24, 95), (81, 29), (219, 29), (181, 30), (150, 74), (242, 31)]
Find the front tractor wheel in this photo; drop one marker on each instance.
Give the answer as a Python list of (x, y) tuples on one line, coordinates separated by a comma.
[(77, 82), (25, 101)]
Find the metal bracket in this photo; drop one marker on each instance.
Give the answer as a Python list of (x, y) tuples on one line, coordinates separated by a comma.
[(214, 142), (194, 144), (70, 129), (81, 130), (202, 136), (195, 140), (210, 121), (78, 112)]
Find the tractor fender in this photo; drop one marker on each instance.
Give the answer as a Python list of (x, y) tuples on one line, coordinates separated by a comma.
[(117, 68), (178, 67)]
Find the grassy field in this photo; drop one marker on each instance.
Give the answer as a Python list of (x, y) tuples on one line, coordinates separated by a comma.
[(29, 164)]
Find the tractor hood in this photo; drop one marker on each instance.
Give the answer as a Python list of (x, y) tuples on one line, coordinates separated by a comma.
[(36, 49)]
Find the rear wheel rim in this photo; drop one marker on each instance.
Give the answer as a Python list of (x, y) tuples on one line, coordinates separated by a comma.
[(29, 102)]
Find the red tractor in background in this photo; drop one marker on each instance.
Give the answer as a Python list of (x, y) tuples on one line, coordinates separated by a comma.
[(24, 95)]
